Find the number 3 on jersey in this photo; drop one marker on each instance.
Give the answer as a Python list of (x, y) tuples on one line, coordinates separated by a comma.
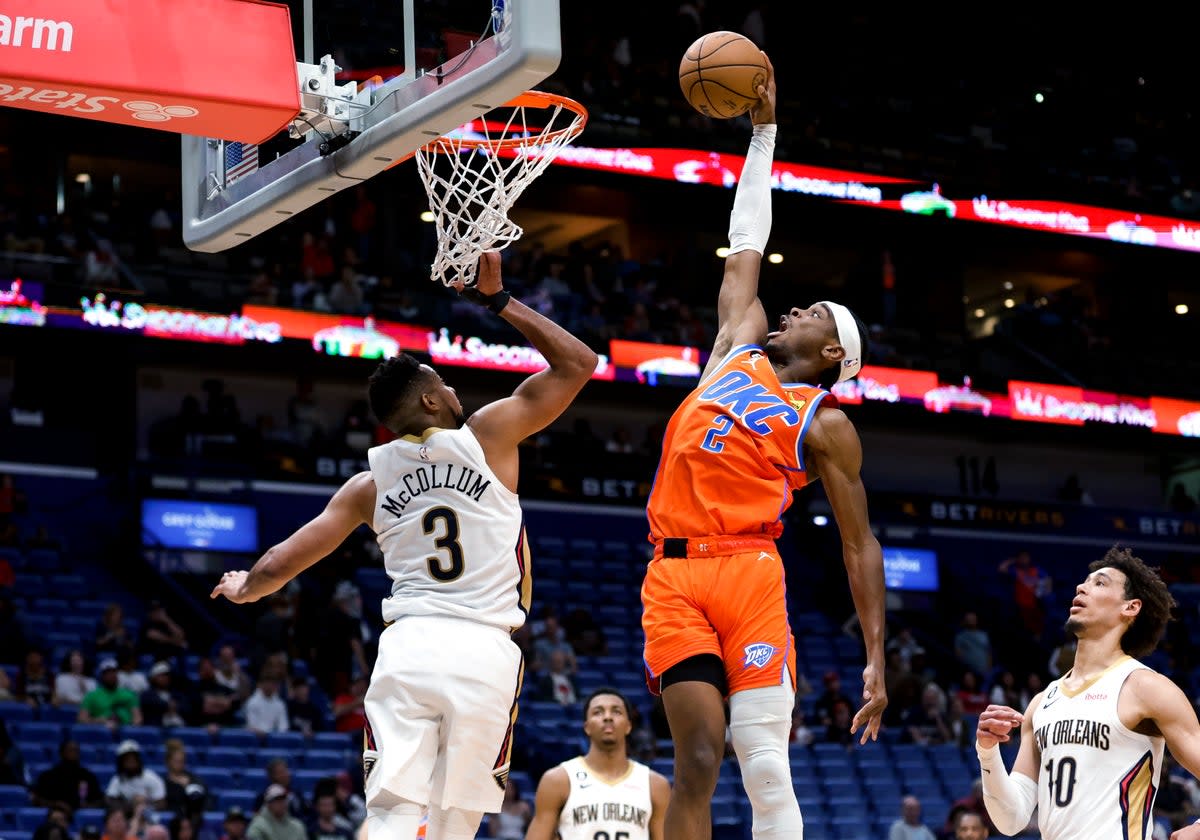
[(722, 425), (447, 542)]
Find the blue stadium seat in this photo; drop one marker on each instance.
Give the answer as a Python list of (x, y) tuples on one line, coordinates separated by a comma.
[(304, 780), (334, 741), (12, 712), (213, 822), (242, 738), (51, 604), (227, 757), (146, 736), (82, 625), (28, 819), (192, 736), (38, 730), (29, 585), (841, 788), (265, 755), (43, 558), (285, 740), (329, 760), (68, 586), (244, 799), (91, 733), (253, 778), (13, 797), (18, 835), (89, 816)]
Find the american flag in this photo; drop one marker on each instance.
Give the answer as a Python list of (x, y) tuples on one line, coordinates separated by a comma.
[(240, 160)]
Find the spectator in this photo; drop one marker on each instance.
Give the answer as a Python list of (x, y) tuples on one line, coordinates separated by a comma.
[(514, 816), (128, 674), (229, 673), (1004, 691), (215, 704), (973, 646), (1062, 658), (183, 826), (909, 826), (186, 793), (57, 825), (907, 645), (265, 710), (161, 704), (12, 763), (972, 825), (347, 296), (68, 783), (35, 684), (162, 637), (327, 823), (926, 722), (71, 683), (109, 703), (274, 822), (118, 826), (348, 714), (235, 824), (340, 653), (13, 629), (279, 774), (557, 684), (350, 801), (111, 633), (274, 630), (1180, 501), (553, 639), (1030, 586), (134, 784), (829, 699), (837, 731), (972, 802), (303, 714), (971, 696), (584, 634)]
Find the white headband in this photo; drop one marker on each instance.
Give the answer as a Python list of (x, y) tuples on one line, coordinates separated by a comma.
[(849, 338)]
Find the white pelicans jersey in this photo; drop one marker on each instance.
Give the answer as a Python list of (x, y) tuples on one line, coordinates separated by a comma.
[(598, 809), (452, 535), (1097, 778)]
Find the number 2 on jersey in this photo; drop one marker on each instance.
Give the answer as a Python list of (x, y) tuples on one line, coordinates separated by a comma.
[(722, 424), (447, 542)]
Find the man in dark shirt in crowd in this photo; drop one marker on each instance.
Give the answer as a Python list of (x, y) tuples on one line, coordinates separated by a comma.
[(68, 783)]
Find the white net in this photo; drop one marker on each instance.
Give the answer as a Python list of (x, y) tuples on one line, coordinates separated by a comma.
[(473, 178)]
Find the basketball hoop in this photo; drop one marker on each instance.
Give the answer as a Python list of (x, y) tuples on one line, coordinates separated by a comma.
[(474, 177)]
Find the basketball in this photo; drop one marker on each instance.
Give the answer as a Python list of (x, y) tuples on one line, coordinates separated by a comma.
[(720, 74)]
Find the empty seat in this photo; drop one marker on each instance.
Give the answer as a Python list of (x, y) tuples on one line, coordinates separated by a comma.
[(243, 738), (192, 736), (13, 797), (243, 799), (28, 819), (67, 586), (38, 730), (228, 757), (334, 741), (285, 740), (12, 712), (330, 760), (88, 733)]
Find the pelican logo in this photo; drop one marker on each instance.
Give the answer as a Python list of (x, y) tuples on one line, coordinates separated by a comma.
[(758, 655), (369, 760), (501, 777), (424, 454)]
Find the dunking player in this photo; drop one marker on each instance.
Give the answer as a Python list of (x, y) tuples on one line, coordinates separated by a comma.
[(442, 698), (714, 610), (1092, 743), (602, 793)]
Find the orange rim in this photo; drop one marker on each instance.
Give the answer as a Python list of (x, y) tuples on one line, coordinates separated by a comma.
[(528, 99)]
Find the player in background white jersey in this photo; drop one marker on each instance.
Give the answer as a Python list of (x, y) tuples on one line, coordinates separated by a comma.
[(603, 795), (1092, 742), (442, 499)]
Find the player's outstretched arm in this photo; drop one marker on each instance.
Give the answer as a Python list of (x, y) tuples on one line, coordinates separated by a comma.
[(1009, 798), (552, 793), (350, 507), (833, 443), (740, 315), (539, 400), (660, 798)]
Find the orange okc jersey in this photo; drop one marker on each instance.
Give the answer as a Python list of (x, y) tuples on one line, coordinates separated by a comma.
[(733, 451)]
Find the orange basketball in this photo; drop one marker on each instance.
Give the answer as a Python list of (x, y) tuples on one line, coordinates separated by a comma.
[(720, 74)]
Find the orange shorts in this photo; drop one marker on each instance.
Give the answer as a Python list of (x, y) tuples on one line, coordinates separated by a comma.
[(726, 598)]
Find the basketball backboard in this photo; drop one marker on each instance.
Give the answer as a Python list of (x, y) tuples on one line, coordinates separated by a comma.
[(377, 81)]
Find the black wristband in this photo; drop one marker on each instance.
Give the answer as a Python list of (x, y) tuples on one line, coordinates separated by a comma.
[(495, 303)]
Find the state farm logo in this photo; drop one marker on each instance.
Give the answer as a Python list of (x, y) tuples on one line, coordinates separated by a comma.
[(83, 103), (1090, 696), (153, 112)]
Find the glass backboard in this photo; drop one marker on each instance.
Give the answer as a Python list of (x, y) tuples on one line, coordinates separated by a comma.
[(378, 79)]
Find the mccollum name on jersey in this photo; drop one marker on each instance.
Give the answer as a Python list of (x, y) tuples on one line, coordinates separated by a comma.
[(434, 477)]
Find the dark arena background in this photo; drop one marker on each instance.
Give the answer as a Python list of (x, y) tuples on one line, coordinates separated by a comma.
[(1010, 205)]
